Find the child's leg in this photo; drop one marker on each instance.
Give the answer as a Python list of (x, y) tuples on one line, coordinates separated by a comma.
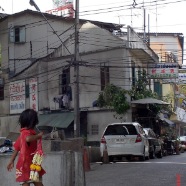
[(38, 184), (26, 184)]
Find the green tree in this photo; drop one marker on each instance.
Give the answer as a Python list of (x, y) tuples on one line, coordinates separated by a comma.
[(114, 98)]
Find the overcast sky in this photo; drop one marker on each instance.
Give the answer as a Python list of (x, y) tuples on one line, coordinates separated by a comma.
[(164, 15)]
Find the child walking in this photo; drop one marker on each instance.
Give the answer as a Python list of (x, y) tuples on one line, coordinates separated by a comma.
[(26, 145)]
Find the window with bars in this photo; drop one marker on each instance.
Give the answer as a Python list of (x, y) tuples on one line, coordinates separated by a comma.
[(105, 77), (18, 34), (64, 81), (94, 129), (133, 76)]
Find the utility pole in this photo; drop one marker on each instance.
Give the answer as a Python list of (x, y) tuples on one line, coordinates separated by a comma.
[(144, 25), (76, 66), (76, 74)]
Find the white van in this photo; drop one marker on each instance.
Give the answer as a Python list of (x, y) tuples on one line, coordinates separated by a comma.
[(124, 140)]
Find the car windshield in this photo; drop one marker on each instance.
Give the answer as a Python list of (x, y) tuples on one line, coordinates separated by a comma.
[(121, 130)]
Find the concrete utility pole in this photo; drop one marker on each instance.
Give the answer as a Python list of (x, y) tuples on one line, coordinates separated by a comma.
[(76, 74), (76, 66)]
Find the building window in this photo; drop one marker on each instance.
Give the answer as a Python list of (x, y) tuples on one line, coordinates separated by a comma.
[(133, 76), (64, 81), (158, 88), (94, 129), (17, 34), (105, 79), (27, 91)]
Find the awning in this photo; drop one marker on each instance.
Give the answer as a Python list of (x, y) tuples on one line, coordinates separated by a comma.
[(149, 101), (168, 121), (59, 120), (173, 118), (179, 122), (161, 117)]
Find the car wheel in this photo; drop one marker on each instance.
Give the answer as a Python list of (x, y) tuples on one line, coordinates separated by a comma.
[(147, 157), (160, 154), (128, 158), (165, 153), (111, 159), (152, 154), (142, 158)]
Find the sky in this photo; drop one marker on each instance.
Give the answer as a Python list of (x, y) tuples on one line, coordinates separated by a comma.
[(162, 15)]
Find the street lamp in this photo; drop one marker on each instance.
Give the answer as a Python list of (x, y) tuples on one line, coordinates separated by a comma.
[(32, 3)]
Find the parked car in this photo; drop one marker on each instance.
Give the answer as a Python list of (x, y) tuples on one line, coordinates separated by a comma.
[(124, 140), (182, 140), (155, 144)]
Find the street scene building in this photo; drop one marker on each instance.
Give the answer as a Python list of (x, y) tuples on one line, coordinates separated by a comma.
[(38, 70), (48, 61), (104, 93)]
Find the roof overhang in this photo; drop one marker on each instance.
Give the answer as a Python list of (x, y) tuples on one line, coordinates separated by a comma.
[(143, 56), (58, 120), (150, 101)]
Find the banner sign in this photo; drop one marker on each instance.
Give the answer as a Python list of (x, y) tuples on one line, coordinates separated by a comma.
[(17, 96), (64, 9), (182, 77), (163, 70), (33, 87)]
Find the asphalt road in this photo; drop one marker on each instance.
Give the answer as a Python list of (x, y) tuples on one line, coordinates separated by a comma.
[(168, 171)]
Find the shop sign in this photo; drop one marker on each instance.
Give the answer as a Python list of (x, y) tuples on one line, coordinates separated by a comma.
[(17, 96), (163, 70), (33, 87)]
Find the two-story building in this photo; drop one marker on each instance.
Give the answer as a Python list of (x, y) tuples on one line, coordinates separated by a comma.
[(38, 70)]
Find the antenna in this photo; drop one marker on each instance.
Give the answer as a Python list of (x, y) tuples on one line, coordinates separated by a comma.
[(12, 7)]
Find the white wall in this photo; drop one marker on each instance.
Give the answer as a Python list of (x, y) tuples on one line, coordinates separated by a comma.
[(102, 119), (9, 124), (38, 32)]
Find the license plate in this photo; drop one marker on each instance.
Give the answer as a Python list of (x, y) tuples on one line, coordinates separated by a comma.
[(122, 140)]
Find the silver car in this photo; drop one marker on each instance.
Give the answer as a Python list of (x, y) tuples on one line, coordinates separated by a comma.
[(124, 140)]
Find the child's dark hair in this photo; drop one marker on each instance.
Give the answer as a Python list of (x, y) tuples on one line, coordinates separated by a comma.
[(28, 119)]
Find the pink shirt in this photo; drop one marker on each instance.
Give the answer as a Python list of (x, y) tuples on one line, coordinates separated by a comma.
[(25, 156)]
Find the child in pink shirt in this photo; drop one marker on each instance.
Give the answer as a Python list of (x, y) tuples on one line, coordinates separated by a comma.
[(26, 145)]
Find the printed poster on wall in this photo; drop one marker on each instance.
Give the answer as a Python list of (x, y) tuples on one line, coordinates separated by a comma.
[(33, 93), (17, 96)]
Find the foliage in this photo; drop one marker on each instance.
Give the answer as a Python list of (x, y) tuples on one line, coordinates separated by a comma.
[(169, 133), (114, 98), (168, 98), (139, 90)]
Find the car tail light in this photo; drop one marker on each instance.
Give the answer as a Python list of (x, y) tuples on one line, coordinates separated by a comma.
[(138, 138), (103, 140)]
